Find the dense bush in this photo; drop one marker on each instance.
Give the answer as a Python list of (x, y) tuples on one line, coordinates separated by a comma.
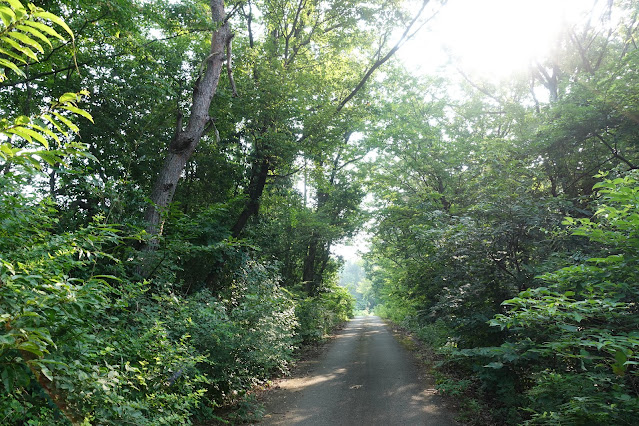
[(82, 338), (111, 351), (319, 315), (571, 347), (247, 333)]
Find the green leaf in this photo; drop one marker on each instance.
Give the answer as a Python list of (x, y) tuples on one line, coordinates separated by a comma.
[(27, 41), (68, 97), (53, 18), (496, 365), (7, 339), (620, 356), (7, 151), (568, 327), (12, 66), (45, 29), (15, 4), (67, 122), (55, 124), (13, 55), (35, 33), (47, 373), (33, 134), (30, 347), (22, 120), (50, 157), (109, 277), (21, 132), (78, 111), (7, 16), (22, 49), (12, 43), (46, 131)]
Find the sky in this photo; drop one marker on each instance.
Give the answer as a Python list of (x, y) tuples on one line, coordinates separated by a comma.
[(491, 38), (486, 38)]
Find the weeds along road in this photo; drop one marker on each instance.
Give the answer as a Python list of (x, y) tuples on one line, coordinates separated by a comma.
[(365, 377)]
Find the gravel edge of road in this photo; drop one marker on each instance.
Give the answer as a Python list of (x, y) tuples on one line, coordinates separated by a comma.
[(424, 358)]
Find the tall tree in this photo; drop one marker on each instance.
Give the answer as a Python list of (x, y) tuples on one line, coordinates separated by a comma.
[(316, 40), (187, 138)]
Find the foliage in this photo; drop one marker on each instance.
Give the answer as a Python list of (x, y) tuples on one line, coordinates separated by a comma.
[(471, 243), (113, 350), (23, 31), (259, 336), (319, 315), (582, 326), (28, 140), (80, 338), (471, 182), (570, 344), (71, 331)]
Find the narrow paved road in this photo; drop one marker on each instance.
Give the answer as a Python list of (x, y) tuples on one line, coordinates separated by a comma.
[(365, 377)]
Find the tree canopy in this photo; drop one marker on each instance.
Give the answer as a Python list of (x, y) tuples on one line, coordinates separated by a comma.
[(175, 175)]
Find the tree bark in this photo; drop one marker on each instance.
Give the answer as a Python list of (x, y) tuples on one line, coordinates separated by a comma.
[(254, 193), (186, 140), (308, 272)]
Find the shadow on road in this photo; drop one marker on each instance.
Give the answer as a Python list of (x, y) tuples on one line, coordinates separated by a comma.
[(365, 377)]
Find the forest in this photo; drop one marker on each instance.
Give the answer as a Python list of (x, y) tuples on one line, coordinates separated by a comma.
[(175, 176)]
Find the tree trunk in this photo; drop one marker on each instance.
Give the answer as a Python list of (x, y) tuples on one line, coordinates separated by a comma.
[(310, 276), (308, 273), (326, 256), (254, 193), (185, 141)]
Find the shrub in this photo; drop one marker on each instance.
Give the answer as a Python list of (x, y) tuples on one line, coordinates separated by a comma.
[(573, 343), (319, 315)]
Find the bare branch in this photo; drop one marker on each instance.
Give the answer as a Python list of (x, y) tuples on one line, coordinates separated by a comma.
[(615, 151), (229, 65), (407, 35)]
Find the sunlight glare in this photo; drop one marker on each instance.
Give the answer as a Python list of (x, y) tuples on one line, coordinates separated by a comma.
[(494, 37)]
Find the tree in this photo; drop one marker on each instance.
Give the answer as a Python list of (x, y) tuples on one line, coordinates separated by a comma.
[(337, 215), (186, 139), (337, 29)]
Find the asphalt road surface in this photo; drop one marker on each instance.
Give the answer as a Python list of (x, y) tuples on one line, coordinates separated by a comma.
[(365, 377)]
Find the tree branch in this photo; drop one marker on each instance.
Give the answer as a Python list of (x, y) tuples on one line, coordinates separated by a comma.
[(478, 87), (615, 151), (407, 35), (229, 65)]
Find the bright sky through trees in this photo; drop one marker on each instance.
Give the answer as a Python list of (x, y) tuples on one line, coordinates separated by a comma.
[(492, 37)]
